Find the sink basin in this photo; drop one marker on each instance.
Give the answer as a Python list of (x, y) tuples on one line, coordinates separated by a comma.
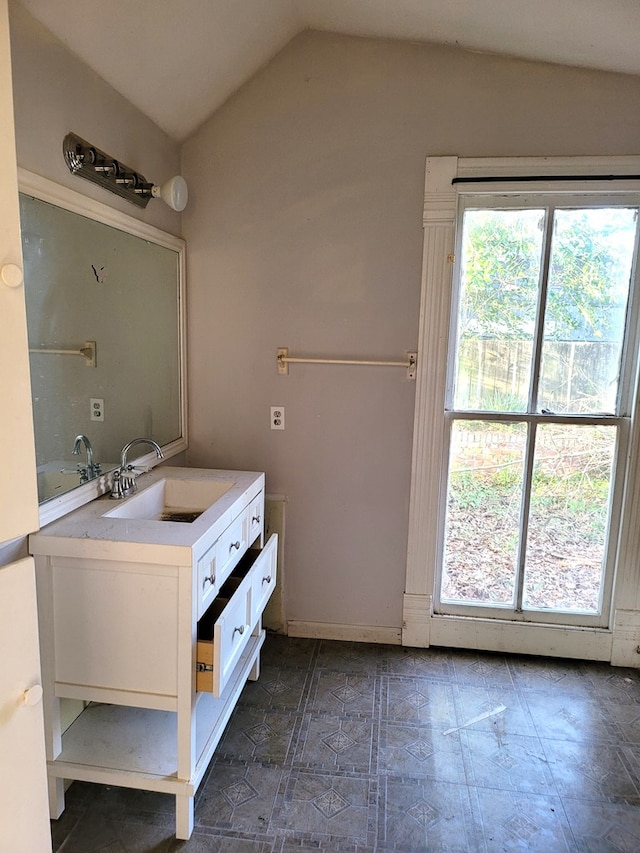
[(172, 500)]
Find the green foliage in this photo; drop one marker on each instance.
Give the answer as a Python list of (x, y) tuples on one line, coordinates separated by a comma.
[(492, 489), (577, 502), (503, 401), (589, 273), (571, 505), (501, 262), (466, 491)]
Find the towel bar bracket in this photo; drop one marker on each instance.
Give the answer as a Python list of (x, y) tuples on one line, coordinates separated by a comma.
[(284, 360), (87, 350)]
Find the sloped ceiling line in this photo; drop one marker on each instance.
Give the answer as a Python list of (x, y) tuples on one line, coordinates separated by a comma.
[(179, 60)]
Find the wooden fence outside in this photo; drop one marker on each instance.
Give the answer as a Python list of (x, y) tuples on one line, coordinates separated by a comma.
[(578, 377)]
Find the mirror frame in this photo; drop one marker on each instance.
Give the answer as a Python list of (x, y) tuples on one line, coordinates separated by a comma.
[(68, 199)]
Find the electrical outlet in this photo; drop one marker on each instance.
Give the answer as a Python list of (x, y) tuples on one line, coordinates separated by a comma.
[(277, 417), (97, 409)]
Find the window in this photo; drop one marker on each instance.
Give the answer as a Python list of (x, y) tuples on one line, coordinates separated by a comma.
[(538, 403)]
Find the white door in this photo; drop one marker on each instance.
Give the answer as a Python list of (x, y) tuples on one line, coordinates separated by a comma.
[(24, 824), (18, 487)]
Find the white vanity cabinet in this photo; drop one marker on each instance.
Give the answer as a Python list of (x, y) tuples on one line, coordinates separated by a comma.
[(155, 626)]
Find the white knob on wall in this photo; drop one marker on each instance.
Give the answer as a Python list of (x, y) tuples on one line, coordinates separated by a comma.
[(11, 275), (32, 695)]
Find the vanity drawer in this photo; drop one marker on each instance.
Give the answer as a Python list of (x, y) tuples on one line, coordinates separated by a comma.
[(231, 545), (207, 579), (226, 627), (256, 517), (263, 576), (223, 632)]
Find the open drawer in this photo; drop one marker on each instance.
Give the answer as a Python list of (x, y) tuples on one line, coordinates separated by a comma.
[(225, 628)]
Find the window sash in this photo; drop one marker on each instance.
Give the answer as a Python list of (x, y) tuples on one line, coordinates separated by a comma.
[(620, 418)]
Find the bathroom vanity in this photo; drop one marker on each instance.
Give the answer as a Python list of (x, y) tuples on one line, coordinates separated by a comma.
[(150, 615)]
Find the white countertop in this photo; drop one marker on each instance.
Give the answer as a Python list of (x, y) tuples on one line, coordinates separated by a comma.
[(88, 532)]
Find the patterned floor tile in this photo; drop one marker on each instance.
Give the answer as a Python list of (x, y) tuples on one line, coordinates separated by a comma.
[(337, 743), (425, 816), (329, 807), (509, 762), (341, 693), (481, 669), (348, 748), (570, 717), (348, 657), (498, 710), (306, 845), (97, 833), (415, 663), (259, 735), (512, 820), (596, 772), (215, 842), (602, 827), (537, 673), (289, 652), (613, 683), (622, 718), (239, 796), (279, 688), (420, 752), (418, 700)]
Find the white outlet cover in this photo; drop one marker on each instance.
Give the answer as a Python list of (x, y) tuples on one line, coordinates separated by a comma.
[(277, 417), (97, 409)]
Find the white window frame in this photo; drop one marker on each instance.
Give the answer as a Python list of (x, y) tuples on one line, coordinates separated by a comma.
[(619, 642)]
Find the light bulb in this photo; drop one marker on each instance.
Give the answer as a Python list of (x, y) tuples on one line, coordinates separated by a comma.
[(173, 192)]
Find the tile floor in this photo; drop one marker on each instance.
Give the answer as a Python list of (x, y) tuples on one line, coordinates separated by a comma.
[(353, 748)]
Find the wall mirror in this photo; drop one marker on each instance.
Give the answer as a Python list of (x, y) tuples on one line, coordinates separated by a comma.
[(105, 317)]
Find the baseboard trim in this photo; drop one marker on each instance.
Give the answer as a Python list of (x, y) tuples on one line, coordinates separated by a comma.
[(350, 633), (458, 632), (525, 638), (626, 638), (416, 620)]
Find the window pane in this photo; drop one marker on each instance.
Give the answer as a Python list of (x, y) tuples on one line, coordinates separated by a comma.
[(570, 495), (589, 276), (500, 269), (483, 512)]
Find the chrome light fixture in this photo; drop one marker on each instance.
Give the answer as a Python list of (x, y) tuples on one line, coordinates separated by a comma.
[(91, 163)]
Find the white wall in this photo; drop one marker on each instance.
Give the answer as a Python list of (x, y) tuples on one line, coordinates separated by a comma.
[(55, 93), (304, 230)]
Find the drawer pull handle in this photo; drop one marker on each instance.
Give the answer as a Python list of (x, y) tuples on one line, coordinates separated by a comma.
[(234, 545), (240, 631), (267, 579), (255, 519), (210, 579)]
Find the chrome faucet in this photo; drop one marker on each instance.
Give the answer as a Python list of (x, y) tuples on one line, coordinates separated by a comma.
[(92, 468), (124, 478)]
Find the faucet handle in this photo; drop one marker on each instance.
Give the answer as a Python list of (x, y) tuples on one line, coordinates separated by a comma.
[(123, 483), (116, 486)]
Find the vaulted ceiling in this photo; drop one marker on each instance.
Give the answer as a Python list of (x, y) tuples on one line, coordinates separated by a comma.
[(178, 60)]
